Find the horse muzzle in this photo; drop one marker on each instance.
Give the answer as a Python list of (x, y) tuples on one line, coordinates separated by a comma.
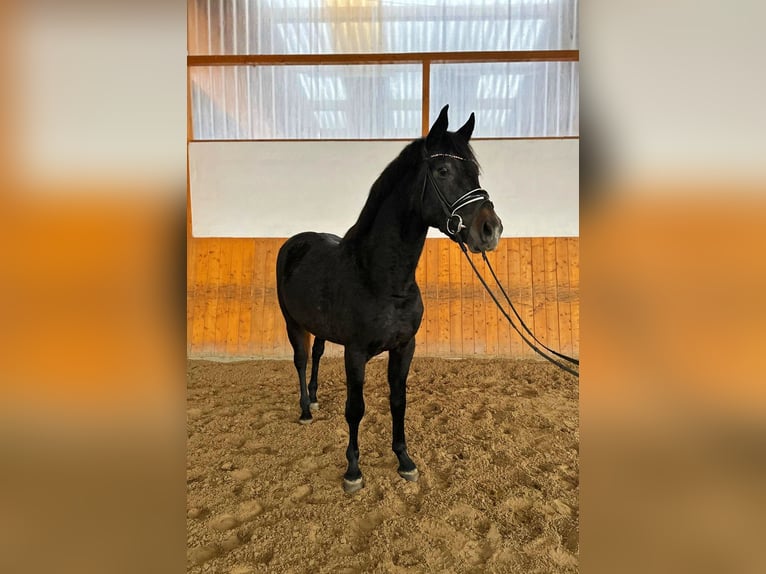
[(485, 230)]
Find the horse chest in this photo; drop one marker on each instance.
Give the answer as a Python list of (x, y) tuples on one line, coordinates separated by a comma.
[(394, 325)]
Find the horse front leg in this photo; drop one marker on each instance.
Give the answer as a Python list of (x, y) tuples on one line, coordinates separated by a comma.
[(398, 368), (355, 367)]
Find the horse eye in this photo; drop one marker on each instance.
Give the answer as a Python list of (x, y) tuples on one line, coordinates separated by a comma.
[(443, 171)]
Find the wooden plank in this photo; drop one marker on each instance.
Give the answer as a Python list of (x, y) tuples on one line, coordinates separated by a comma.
[(515, 293), (199, 301), (479, 310), (403, 140), (246, 304), (503, 328), (378, 58), (420, 336), (273, 322), (526, 310), (573, 244), (191, 264), (539, 325), (443, 282), (564, 296), (431, 259), (207, 345), (259, 298), (235, 281), (284, 349), (551, 295), (467, 307), (224, 300), (490, 309), (455, 300)]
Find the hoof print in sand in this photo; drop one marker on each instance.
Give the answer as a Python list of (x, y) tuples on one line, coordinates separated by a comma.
[(249, 510), (224, 522), (200, 554), (242, 474), (301, 493)]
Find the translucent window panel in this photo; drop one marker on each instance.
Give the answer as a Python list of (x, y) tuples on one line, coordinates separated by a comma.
[(379, 26), (306, 102), (515, 99)]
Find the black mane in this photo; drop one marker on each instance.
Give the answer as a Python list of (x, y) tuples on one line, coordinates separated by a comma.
[(386, 184), (388, 180)]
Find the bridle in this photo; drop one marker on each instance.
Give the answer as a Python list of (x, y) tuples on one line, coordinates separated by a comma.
[(454, 220)]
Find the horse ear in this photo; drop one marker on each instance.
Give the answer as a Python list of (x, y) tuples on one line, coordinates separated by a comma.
[(467, 128), (438, 129)]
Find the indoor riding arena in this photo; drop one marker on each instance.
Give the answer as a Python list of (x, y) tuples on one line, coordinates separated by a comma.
[(295, 109)]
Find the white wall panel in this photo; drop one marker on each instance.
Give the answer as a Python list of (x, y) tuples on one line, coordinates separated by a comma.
[(277, 189)]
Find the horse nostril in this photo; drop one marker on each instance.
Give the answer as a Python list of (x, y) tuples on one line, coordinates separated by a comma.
[(486, 231)]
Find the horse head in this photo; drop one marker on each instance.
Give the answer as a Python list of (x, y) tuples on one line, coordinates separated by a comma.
[(452, 199)]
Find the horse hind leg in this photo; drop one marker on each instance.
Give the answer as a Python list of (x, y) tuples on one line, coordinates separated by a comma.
[(300, 339), (316, 354)]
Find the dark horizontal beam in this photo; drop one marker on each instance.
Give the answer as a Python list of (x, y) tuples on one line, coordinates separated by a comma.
[(408, 139), (412, 57)]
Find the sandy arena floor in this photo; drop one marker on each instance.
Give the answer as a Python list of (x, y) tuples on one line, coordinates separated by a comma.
[(496, 442)]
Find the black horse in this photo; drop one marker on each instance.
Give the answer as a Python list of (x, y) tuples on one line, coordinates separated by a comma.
[(360, 291)]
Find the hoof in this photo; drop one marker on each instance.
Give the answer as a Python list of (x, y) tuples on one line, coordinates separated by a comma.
[(411, 475), (351, 486), (314, 406), (305, 421)]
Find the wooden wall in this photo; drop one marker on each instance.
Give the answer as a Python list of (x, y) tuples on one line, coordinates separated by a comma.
[(232, 309)]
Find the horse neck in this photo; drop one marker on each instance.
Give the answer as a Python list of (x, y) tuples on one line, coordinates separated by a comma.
[(390, 248)]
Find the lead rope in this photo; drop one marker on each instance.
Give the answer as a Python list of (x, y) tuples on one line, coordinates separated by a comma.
[(508, 317), (521, 321)]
